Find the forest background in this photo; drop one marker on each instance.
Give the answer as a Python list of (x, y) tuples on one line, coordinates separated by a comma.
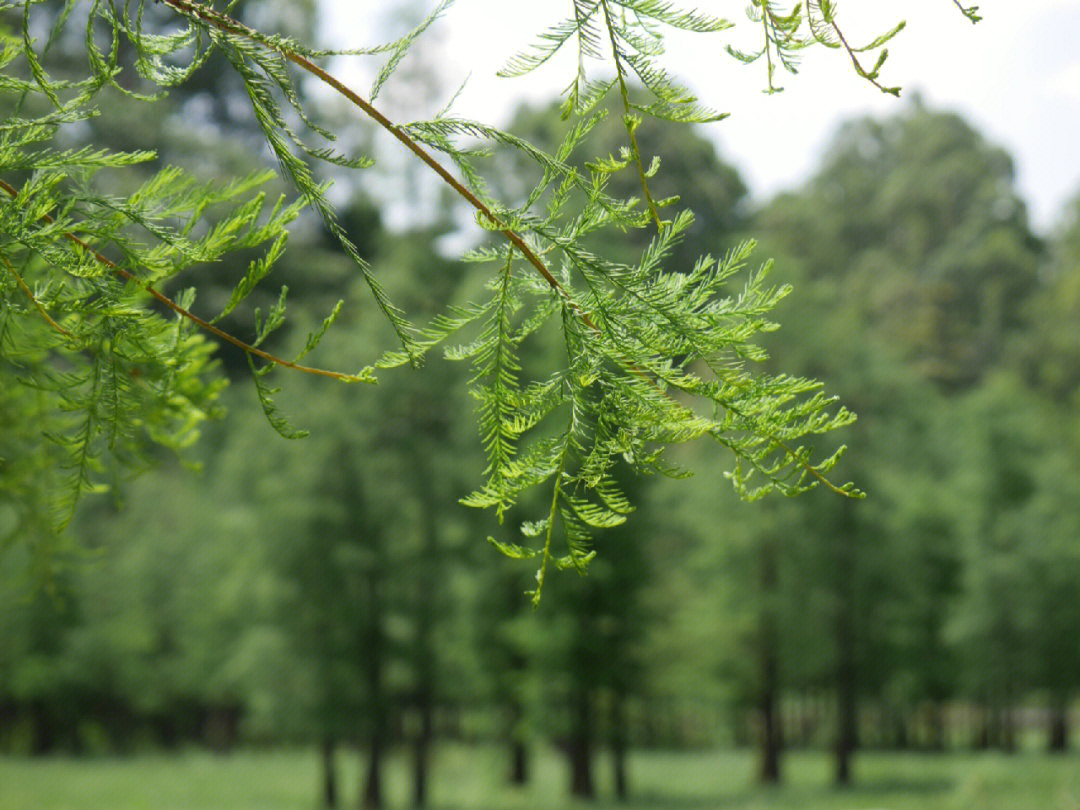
[(333, 593)]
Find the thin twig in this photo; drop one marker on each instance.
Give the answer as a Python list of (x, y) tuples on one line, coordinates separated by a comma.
[(971, 12), (191, 316), (635, 151), (30, 294), (892, 91), (765, 18)]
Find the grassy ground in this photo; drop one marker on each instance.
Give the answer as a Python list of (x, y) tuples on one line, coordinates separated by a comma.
[(471, 778)]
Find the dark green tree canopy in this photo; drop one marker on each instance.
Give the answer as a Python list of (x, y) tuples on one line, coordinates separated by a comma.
[(966, 255)]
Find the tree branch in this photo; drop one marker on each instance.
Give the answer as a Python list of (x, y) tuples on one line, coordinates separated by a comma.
[(227, 24), (30, 294), (634, 150), (870, 77), (247, 348)]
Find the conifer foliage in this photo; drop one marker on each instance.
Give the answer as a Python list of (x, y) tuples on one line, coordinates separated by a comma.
[(99, 364)]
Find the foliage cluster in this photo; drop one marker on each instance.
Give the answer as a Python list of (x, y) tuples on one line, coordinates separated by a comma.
[(655, 355)]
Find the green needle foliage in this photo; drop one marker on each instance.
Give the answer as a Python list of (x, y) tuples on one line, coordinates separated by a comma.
[(100, 365)]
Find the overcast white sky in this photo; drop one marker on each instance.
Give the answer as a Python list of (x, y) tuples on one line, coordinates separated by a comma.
[(1016, 76)]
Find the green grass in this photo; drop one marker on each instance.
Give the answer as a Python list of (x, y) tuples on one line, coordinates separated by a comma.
[(472, 778)]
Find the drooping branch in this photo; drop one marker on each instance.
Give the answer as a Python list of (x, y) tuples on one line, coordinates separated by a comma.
[(229, 25), (247, 348)]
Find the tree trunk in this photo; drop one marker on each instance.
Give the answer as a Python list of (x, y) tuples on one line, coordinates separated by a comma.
[(1008, 730), (425, 623), (516, 666), (519, 763), (423, 750), (845, 733), (581, 781), (772, 739), (43, 731), (901, 740), (846, 676), (769, 699), (372, 641), (995, 734), (937, 727), (620, 740), (372, 791), (329, 792), (622, 786), (808, 720), (221, 727), (846, 699), (579, 750), (1059, 726), (984, 733), (519, 752)]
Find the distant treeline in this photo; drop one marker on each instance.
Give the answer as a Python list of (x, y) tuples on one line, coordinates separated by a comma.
[(333, 591)]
